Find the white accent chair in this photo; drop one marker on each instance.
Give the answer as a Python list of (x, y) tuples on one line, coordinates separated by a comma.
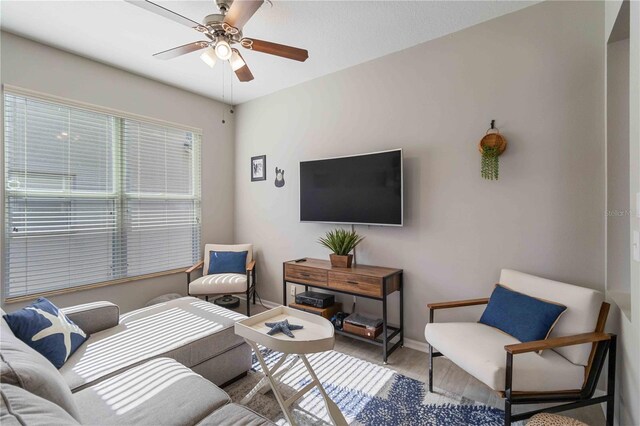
[(222, 284), (572, 356)]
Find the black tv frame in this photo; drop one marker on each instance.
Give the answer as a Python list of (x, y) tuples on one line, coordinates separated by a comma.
[(358, 223)]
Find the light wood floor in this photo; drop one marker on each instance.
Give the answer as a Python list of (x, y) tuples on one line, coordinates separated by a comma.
[(448, 376)]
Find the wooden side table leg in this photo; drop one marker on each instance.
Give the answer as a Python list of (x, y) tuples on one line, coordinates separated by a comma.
[(273, 382), (334, 412)]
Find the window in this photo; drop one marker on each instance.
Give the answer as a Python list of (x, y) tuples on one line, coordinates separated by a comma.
[(93, 197)]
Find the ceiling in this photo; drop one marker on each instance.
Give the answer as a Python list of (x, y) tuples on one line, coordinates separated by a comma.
[(337, 34)]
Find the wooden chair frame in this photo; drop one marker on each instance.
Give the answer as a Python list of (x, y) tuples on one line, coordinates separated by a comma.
[(251, 283), (603, 344)]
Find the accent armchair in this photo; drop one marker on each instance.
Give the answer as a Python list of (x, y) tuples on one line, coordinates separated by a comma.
[(567, 369), (222, 284)]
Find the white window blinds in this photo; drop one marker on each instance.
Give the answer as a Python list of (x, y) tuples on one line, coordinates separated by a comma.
[(161, 179), (92, 197)]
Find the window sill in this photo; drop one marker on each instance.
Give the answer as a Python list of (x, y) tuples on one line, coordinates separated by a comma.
[(68, 290)]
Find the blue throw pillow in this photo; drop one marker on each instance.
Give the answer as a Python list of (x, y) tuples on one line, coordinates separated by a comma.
[(46, 329), (524, 317), (227, 262)]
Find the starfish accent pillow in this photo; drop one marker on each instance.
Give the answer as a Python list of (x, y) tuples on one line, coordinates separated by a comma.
[(47, 329)]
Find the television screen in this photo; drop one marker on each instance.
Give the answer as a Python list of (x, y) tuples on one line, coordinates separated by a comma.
[(359, 189)]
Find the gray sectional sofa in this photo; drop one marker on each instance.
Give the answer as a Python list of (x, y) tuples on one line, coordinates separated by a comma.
[(156, 365)]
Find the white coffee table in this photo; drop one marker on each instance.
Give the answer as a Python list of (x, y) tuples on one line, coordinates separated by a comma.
[(316, 336)]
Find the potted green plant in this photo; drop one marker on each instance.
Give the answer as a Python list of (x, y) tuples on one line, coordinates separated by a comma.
[(341, 242)]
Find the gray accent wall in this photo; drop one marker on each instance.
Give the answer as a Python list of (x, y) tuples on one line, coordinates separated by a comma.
[(34, 66), (539, 72)]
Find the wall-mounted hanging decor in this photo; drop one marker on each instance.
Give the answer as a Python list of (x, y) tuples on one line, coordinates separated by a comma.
[(258, 168), (491, 146), (279, 178)]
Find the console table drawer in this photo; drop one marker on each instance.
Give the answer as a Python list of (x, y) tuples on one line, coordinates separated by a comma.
[(361, 284), (305, 275)]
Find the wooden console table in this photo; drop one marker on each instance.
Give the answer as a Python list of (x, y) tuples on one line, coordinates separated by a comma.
[(371, 282)]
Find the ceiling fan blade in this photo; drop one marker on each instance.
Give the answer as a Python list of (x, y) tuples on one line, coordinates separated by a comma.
[(241, 11), (243, 73), (275, 49), (163, 11), (181, 50)]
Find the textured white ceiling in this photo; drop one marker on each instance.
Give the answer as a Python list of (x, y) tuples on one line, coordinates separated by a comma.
[(338, 35)]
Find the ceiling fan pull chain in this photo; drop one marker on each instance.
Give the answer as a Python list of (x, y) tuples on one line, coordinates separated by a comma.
[(231, 95), (224, 109)]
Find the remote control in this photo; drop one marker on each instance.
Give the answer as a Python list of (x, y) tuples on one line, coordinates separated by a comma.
[(304, 259)]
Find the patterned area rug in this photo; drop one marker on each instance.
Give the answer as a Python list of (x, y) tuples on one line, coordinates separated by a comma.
[(367, 394)]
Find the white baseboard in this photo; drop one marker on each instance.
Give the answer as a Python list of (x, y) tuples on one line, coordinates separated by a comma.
[(266, 303), (269, 304), (416, 345), (409, 343)]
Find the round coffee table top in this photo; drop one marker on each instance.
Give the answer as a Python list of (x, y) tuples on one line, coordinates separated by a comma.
[(317, 334)]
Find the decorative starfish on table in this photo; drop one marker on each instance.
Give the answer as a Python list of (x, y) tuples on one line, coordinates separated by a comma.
[(282, 327)]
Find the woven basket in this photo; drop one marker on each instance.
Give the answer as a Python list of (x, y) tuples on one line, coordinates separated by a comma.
[(493, 138), (547, 419)]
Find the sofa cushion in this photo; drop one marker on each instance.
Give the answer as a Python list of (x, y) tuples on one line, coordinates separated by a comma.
[(95, 316), (46, 329), (523, 317), (226, 367), (583, 306), (22, 366), (219, 283), (479, 350), (158, 392), (19, 407), (234, 414), (188, 330)]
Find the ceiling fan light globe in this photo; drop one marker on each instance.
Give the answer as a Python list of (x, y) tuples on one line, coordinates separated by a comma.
[(236, 61), (209, 57), (223, 50)]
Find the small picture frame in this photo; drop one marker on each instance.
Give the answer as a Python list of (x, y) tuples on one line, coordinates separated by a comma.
[(258, 168)]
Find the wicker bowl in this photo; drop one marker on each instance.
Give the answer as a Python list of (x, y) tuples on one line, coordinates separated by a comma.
[(492, 139)]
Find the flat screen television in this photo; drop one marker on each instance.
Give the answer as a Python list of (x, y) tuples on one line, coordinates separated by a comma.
[(359, 189)]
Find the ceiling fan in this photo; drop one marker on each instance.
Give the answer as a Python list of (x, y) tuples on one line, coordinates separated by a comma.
[(223, 30)]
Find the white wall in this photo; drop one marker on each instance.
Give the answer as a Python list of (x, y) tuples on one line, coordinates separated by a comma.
[(34, 66), (630, 412), (626, 325), (539, 72), (618, 235), (611, 9)]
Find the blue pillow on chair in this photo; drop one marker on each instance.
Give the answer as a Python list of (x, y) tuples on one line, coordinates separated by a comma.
[(46, 329), (227, 262), (524, 317)]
